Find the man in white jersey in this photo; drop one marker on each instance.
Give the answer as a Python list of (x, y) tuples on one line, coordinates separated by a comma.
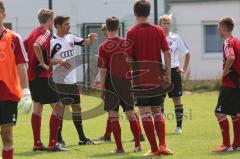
[(177, 46), (62, 54)]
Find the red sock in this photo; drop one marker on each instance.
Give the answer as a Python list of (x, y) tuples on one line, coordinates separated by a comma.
[(160, 128), (135, 130), (108, 129), (54, 125), (149, 130), (116, 132), (139, 124), (36, 128), (7, 154), (224, 126), (236, 130)]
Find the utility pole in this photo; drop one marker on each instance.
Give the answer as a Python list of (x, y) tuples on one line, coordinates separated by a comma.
[(50, 7), (50, 4), (156, 12)]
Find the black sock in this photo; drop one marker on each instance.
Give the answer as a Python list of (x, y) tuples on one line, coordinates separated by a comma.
[(179, 115), (77, 120), (59, 139), (162, 104)]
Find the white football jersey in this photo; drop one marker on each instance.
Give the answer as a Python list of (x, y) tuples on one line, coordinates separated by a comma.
[(177, 46), (63, 49)]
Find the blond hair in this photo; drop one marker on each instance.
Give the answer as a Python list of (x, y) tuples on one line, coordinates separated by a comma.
[(103, 27), (44, 15), (165, 17)]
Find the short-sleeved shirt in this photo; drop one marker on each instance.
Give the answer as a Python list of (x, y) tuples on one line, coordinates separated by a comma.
[(113, 57), (231, 47), (177, 46), (41, 36), (63, 49), (20, 58), (148, 41)]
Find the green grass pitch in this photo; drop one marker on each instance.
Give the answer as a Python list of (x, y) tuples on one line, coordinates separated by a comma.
[(201, 134)]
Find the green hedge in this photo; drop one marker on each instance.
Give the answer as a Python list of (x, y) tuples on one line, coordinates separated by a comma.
[(201, 86)]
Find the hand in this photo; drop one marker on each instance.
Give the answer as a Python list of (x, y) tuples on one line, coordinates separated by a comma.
[(225, 73), (92, 36), (46, 67), (25, 104), (179, 69), (66, 65), (97, 85), (166, 81)]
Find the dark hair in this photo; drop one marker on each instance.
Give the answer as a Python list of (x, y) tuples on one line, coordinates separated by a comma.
[(142, 8), (112, 23), (2, 6), (227, 22), (60, 19), (44, 15)]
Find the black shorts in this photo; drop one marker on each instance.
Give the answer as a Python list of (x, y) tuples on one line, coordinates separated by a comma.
[(118, 92), (149, 101), (228, 101), (43, 90), (8, 113), (177, 84), (68, 93)]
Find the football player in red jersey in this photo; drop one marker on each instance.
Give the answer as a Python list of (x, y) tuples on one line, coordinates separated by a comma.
[(149, 41), (115, 85), (41, 85), (108, 130), (229, 96)]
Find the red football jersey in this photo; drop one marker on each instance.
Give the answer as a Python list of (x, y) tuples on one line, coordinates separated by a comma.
[(148, 41), (231, 47), (43, 37), (113, 57)]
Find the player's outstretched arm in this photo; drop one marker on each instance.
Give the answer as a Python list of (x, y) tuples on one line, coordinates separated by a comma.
[(91, 37)]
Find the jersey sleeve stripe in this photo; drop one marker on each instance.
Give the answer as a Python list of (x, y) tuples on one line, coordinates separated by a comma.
[(44, 38), (22, 47), (226, 48)]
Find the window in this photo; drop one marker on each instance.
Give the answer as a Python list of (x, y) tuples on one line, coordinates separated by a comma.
[(88, 28), (89, 52), (213, 42)]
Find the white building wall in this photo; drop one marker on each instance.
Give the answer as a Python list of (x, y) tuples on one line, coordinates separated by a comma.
[(23, 13), (190, 18)]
